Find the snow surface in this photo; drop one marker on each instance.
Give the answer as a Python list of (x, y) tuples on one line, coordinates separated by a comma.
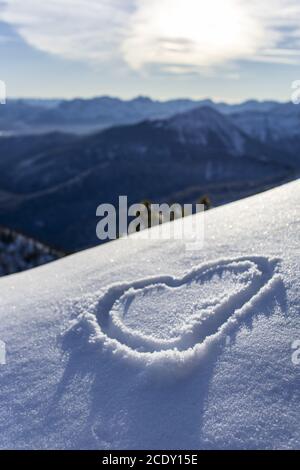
[(144, 344)]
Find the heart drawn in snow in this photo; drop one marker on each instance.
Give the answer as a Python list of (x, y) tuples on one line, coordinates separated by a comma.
[(173, 319)]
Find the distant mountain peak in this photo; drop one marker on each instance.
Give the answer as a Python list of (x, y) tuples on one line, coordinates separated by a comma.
[(204, 124)]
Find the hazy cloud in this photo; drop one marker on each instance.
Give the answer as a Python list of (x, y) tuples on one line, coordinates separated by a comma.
[(88, 30), (177, 35)]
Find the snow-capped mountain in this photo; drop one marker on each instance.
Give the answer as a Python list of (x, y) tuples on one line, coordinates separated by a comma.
[(206, 357), (205, 127), (51, 190), (281, 123), (278, 128)]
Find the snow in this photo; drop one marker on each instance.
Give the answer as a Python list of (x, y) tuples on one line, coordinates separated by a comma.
[(281, 122), (144, 344), (168, 320), (196, 126)]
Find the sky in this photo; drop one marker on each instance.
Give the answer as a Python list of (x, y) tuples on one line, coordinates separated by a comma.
[(229, 50)]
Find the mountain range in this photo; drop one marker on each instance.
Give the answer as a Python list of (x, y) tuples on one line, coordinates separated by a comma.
[(83, 116), (51, 185)]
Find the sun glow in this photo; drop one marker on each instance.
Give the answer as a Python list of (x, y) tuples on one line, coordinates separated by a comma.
[(177, 35), (200, 32)]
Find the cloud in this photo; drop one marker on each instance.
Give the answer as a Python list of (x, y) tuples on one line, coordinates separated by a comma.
[(88, 30), (190, 33), (198, 34), (178, 36)]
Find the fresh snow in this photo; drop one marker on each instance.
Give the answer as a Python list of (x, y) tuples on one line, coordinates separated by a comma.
[(145, 344)]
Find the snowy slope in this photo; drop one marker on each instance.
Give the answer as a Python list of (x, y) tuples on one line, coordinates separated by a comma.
[(167, 348)]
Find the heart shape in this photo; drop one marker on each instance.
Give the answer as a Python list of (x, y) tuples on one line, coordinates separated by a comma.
[(170, 320)]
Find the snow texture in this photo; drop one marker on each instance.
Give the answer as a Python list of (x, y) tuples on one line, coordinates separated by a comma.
[(143, 344), (172, 322)]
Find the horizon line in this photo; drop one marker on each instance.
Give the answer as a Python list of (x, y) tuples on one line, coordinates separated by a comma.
[(146, 97)]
